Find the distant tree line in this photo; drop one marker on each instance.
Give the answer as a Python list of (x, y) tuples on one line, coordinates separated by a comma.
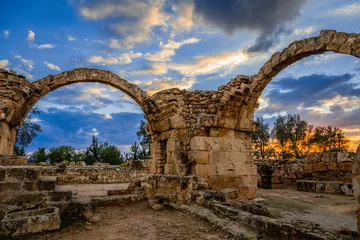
[(292, 137), (96, 152)]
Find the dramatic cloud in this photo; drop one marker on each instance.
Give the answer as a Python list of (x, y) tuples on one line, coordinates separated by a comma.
[(168, 50), (4, 63), (206, 65), (31, 36), (44, 46), (269, 18), (316, 93), (52, 66), (27, 62)]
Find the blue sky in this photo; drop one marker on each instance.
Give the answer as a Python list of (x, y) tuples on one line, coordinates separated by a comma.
[(190, 44)]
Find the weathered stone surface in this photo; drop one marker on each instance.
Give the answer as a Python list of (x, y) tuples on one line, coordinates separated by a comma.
[(31, 221)]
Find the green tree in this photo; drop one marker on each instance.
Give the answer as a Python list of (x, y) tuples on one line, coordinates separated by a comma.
[(61, 153), (134, 152), (144, 138), (261, 137), (92, 154), (38, 156), (26, 133), (78, 156), (110, 154), (330, 139)]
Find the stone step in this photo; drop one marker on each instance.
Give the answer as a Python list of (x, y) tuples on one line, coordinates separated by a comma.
[(59, 196), (46, 183), (116, 200), (234, 228), (117, 192), (10, 186), (31, 221), (12, 174), (24, 199)]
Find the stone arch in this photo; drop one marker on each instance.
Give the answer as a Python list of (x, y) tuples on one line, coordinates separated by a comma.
[(327, 41), (50, 83)]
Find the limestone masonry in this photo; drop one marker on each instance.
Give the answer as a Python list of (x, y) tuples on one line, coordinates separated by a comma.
[(202, 133)]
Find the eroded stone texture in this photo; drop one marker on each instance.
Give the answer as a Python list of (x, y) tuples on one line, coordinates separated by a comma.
[(202, 133)]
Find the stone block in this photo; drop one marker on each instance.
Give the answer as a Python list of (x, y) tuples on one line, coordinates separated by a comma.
[(60, 196), (2, 174), (200, 157), (245, 169), (345, 166), (30, 186), (320, 187), (181, 169), (225, 170), (319, 167), (22, 173), (207, 120), (247, 192), (46, 185), (116, 192), (347, 189), (9, 186), (229, 194), (332, 166), (205, 169), (32, 221), (332, 187)]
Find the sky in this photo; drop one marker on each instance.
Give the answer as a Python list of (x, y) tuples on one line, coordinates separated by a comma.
[(186, 44)]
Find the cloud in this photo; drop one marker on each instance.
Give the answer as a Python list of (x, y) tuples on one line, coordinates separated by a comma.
[(346, 10), (6, 34), (76, 128), (4, 63), (52, 66), (316, 93), (70, 38), (122, 59), (44, 46), (320, 59), (305, 31), (168, 50), (132, 20), (206, 65), (183, 20), (157, 85), (269, 18), (27, 62), (31, 36)]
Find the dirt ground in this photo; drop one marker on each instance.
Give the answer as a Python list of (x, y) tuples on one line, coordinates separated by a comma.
[(328, 210), (136, 221)]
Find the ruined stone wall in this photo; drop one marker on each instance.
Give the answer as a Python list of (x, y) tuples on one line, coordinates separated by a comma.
[(330, 166), (356, 183), (93, 174)]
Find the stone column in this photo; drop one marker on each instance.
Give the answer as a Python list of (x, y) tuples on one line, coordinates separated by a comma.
[(7, 139), (356, 184)]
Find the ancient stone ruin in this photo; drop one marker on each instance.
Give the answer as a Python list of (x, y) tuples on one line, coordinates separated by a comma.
[(199, 139)]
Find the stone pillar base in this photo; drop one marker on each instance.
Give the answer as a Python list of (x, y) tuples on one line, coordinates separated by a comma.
[(11, 160)]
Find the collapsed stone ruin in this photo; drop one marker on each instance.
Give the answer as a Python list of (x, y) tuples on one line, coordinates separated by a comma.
[(199, 139)]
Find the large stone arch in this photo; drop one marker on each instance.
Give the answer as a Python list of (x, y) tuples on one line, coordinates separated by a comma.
[(327, 41), (18, 96)]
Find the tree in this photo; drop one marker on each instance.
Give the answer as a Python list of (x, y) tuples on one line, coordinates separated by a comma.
[(110, 154), (61, 153), (330, 139), (293, 135), (134, 152), (279, 133), (38, 156), (26, 133), (92, 154), (261, 137), (144, 141)]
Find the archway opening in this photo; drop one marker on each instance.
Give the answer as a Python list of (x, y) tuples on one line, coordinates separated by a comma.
[(322, 90)]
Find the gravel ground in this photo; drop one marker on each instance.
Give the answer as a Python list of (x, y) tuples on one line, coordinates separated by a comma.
[(328, 210)]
